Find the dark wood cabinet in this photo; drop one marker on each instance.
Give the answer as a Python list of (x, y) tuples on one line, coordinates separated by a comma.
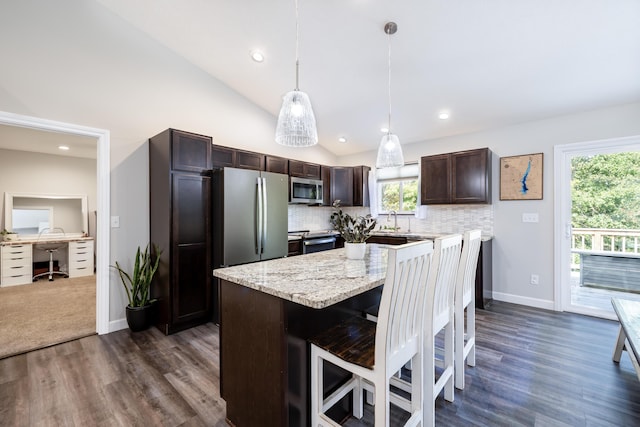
[(249, 160), (387, 240), (180, 212), (350, 185), (361, 185), (276, 164), (471, 176), (342, 185), (484, 272), (460, 177), (325, 175), (435, 179), (222, 157), (304, 169), (295, 247)]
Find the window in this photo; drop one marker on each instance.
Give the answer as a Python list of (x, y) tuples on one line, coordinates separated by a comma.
[(398, 189)]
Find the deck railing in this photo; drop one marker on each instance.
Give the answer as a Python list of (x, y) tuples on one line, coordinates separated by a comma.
[(603, 240), (606, 240)]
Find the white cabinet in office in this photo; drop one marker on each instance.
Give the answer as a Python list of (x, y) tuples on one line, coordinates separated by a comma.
[(81, 258), (16, 264)]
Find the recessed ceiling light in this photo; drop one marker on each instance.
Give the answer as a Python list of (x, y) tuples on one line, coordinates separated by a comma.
[(342, 139), (443, 115), (63, 147), (384, 130), (257, 56)]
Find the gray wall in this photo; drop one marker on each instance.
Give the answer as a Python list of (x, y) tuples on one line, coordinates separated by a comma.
[(36, 173), (523, 249)]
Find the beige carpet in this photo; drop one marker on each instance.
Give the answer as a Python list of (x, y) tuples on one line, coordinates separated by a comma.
[(45, 313)]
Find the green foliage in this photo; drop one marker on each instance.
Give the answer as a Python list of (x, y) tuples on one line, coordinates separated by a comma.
[(391, 193), (352, 230), (138, 284), (605, 190)]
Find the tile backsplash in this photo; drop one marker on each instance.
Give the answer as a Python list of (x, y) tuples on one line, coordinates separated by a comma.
[(439, 218)]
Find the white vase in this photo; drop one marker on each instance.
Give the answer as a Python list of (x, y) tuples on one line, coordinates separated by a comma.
[(355, 250)]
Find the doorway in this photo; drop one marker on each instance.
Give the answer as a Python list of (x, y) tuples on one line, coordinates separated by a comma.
[(102, 242), (575, 298)]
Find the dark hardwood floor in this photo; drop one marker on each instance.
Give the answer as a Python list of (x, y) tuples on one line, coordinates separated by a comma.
[(534, 368)]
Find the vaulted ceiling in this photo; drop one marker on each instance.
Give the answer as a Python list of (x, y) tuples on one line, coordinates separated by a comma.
[(490, 64)]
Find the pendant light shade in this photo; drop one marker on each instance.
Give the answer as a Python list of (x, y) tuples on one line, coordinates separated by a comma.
[(296, 122), (390, 151)]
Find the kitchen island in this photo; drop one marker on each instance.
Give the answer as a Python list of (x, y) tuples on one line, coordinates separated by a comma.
[(268, 311)]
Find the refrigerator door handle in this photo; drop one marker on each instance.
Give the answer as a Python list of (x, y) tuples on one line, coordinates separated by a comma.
[(264, 212), (258, 223)]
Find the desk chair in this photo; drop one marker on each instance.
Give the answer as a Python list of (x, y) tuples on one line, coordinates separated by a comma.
[(374, 352), (43, 245), (465, 332)]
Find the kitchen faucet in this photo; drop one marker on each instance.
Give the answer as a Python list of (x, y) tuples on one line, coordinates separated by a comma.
[(395, 219)]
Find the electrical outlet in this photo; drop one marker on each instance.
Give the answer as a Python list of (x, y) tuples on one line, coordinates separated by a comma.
[(530, 217), (535, 279)]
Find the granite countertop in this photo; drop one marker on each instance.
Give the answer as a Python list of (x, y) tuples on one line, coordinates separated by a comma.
[(316, 280)]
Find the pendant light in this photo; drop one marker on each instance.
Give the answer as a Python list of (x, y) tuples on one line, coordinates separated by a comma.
[(296, 122), (390, 151)]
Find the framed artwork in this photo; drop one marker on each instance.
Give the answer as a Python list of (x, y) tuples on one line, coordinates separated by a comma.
[(521, 177)]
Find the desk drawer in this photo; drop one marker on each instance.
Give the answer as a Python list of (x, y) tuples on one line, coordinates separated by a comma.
[(13, 263), (80, 251), (16, 280), (16, 251)]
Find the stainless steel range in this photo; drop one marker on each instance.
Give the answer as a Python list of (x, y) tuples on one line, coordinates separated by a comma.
[(316, 241)]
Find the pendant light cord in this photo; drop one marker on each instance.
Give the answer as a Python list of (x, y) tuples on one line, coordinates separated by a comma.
[(297, 61), (389, 38)]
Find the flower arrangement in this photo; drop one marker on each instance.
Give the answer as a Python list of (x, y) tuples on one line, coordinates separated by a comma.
[(352, 230)]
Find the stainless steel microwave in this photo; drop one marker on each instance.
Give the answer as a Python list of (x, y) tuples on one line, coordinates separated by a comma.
[(307, 191)]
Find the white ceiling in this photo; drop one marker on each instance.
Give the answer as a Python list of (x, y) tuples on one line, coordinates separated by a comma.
[(33, 140), (490, 63)]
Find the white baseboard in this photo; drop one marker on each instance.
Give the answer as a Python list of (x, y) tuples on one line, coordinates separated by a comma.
[(117, 325), (517, 299)]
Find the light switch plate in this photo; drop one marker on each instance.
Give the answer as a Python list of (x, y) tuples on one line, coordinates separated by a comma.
[(115, 222), (530, 217)]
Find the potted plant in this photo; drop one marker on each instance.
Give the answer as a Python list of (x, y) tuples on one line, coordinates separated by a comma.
[(8, 235), (354, 230), (137, 285)]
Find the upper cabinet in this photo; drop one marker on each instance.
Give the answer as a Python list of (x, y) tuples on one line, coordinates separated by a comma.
[(342, 185), (461, 177), (229, 157), (304, 169), (249, 160), (361, 185), (276, 164), (349, 184), (190, 152)]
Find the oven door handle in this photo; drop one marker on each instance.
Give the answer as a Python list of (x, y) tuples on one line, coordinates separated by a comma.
[(319, 241)]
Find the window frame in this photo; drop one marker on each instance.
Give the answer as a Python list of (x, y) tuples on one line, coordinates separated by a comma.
[(408, 172)]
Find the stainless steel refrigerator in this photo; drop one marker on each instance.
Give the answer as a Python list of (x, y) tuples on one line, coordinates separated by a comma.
[(250, 216)]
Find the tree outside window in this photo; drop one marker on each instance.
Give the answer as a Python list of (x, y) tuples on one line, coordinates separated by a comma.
[(398, 195)]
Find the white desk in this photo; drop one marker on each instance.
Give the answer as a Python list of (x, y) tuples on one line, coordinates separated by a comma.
[(16, 259)]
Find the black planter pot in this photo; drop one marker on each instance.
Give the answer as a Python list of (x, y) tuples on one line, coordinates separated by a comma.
[(140, 318)]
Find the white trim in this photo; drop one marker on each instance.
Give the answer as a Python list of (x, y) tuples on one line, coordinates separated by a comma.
[(518, 299), (562, 210), (102, 203)]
